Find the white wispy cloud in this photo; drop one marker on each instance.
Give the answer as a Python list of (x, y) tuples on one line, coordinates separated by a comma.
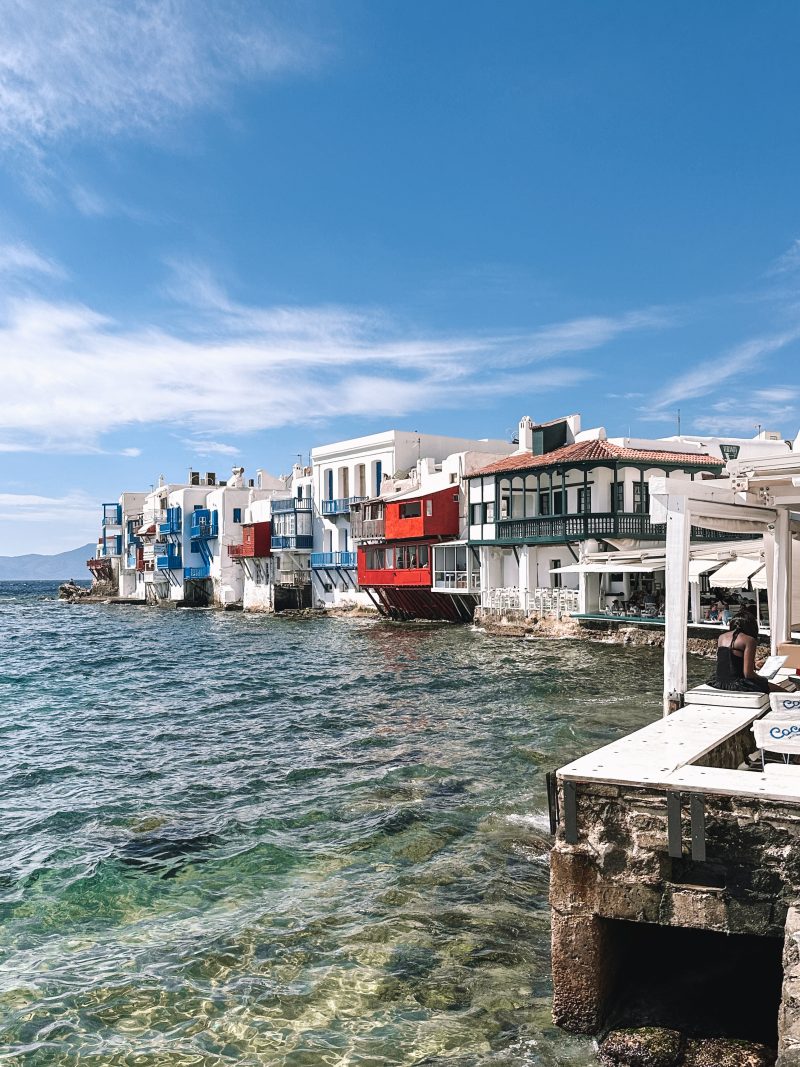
[(20, 259), (106, 67), (71, 374), (708, 376), (36, 523), (210, 448)]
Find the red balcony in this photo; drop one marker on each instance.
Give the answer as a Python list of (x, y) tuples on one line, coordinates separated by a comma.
[(256, 541), (427, 515)]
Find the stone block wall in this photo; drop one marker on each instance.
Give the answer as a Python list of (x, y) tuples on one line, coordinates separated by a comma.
[(620, 869)]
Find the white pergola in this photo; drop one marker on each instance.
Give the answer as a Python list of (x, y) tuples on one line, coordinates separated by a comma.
[(760, 498)]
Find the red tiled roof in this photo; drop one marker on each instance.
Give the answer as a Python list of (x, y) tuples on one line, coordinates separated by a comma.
[(586, 451)]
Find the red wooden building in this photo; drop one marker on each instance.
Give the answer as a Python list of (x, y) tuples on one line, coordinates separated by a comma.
[(256, 541), (395, 555)]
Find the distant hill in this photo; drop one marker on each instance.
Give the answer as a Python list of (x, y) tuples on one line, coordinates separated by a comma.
[(58, 567)]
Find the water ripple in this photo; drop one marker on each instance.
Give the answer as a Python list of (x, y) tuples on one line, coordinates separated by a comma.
[(233, 839)]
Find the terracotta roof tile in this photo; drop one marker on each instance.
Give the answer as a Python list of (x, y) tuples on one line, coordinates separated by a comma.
[(596, 449)]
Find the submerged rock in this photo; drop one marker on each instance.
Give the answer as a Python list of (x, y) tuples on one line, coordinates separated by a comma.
[(726, 1052), (646, 1046)]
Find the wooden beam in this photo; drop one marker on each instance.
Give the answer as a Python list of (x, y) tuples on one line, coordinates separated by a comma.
[(780, 605), (677, 594)]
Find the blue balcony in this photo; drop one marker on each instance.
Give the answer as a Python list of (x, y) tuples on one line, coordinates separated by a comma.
[(292, 503), (304, 542), (343, 560), (203, 525), (112, 514), (340, 506), (112, 546), (168, 557), (190, 573), (173, 523)]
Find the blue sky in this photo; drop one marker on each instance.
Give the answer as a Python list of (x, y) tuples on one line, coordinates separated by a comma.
[(231, 231)]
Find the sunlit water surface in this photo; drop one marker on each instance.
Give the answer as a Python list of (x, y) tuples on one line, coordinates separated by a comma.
[(234, 839)]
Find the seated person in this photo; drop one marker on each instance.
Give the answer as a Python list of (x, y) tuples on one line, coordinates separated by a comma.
[(616, 606), (736, 658), (713, 614)]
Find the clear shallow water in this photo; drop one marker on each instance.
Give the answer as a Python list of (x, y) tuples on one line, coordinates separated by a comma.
[(232, 838)]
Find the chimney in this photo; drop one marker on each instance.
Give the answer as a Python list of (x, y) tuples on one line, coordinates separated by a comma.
[(211, 478), (525, 434)]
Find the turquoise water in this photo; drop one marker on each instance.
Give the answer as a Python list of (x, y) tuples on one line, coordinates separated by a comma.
[(231, 838)]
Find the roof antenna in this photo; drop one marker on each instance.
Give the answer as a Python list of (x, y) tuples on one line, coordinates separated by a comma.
[(679, 422)]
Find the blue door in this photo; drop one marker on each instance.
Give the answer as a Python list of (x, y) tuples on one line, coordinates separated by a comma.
[(329, 493), (378, 477)]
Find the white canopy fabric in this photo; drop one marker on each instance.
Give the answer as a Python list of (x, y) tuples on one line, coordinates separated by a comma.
[(759, 579), (701, 566), (736, 573), (611, 568)]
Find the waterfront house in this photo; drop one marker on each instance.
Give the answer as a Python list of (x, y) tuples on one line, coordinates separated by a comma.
[(114, 563), (345, 474), (400, 532), (567, 493)]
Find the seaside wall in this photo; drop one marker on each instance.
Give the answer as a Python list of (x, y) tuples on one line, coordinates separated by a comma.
[(620, 878)]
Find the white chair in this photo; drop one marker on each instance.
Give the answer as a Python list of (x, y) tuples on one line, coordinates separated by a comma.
[(778, 731)]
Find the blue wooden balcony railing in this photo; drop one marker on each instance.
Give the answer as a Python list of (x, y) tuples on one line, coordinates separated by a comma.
[(190, 573), (173, 522), (344, 560), (112, 546), (304, 542), (112, 514), (340, 506), (292, 503), (203, 524), (169, 560)]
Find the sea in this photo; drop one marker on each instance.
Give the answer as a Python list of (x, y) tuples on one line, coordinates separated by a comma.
[(240, 839)]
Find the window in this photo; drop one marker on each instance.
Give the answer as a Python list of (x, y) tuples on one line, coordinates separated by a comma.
[(477, 514), (544, 503), (237, 514), (378, 477), (556, 578), (584, 500), (412, 510), (329, 485), (505, 499), (428, 508), (641, 498), (558, 502), (488, 513), (618, 496)]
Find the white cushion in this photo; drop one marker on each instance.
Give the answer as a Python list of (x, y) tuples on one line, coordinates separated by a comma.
[(784, 770), (730, 698)]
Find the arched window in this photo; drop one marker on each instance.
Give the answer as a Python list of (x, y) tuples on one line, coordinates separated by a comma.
[(505, 498)]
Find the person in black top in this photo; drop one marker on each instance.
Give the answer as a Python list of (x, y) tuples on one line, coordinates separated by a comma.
[(736, 658)]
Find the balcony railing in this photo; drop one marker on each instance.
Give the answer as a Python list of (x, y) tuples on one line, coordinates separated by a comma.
[(193, 573), (203, 525), (112, 514), (112, 546), (304, 542), (345, 560), (366, 529), (169, 561), (594, 524), (292, 503), (340, 506)]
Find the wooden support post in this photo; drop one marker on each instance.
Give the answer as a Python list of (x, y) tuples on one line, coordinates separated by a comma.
[(780, 606), (677, 595), (694, 591)]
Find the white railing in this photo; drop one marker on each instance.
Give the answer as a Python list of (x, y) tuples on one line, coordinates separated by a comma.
[(506, 600)]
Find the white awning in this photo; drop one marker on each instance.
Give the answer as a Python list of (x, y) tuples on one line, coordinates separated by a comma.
[(759, 579), (736, 573), (611, 568), (702, 566)]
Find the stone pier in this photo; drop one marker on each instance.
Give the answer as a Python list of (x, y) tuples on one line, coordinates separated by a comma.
[(674, 882)]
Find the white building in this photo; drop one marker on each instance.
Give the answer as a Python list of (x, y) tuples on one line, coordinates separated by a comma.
[(566, 493), (347, 472), (115, 559)]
